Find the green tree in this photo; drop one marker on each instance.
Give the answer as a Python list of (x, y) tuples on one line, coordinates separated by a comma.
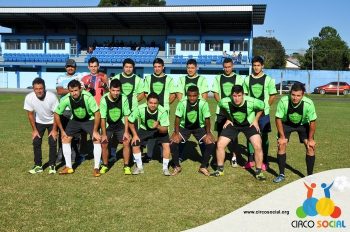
[(109, 3), (271, 50), (327, 52)]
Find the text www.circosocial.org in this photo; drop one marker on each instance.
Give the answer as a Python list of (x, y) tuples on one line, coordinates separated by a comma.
[(285, 212)]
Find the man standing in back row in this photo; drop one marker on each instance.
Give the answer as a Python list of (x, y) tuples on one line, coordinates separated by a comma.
[(260, 86)]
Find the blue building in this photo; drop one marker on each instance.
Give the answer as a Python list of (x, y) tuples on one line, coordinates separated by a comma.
[(43, 38)]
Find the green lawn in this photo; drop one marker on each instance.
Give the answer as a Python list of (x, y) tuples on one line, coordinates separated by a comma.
[(149, 202)]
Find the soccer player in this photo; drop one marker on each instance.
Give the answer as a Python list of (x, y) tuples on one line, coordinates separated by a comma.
[(192, 78), (40, 106), (114, 109), (260, 86), (243, 113), (154, 123), (62, 89), (132, 88), (96, 82), (222, 87), (85, 117), (295, 113), (132, 84), (163, 85), (193, 117)]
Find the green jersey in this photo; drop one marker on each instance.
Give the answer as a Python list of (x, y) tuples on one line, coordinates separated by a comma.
[(114, 110), (294, 115), (131, 87), (261, 88), (147, 118), (82, 109), (223, 84), (192, 116), (163, 86), (244, 114), (186, 81)]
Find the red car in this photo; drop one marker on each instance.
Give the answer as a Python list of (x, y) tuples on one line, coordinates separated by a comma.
[(332, 87)]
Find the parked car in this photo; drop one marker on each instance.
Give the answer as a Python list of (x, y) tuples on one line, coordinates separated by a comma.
[(332, 87), (286, 85)]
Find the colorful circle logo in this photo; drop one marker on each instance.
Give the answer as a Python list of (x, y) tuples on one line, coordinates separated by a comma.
[(313, 206)]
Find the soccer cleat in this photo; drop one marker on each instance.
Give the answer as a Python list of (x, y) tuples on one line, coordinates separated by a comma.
[(104, 169), (66, 170), (279, 178), (176, 171), (166, 172), (260, 176), (234, 162), (127, 170), (96, 172), (52, 169), (36, 169), (204, 171), (217, 173), (249, 165), (138, 171)]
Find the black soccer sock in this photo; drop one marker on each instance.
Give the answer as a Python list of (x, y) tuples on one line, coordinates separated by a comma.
[(209, 149), (310, 162), (174, 148), (281, 160), (220, 168)]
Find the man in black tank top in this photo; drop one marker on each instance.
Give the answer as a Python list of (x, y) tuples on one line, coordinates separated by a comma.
[(295, 113), (115, 110), (85, 118), (192, 118)]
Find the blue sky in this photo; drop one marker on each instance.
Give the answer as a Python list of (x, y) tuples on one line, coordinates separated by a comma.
[(293, 22)]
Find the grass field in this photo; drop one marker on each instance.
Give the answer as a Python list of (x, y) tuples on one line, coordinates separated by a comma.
[(149, 202)]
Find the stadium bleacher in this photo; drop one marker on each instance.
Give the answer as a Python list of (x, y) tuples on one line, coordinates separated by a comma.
[(118, 54), (35, 57)]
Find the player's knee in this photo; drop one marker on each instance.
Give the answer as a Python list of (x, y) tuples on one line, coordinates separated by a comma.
[(126, 143), (37, 142), (67, 140), (52, 142)]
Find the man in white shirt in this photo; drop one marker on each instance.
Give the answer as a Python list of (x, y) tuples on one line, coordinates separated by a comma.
[(40, 106)]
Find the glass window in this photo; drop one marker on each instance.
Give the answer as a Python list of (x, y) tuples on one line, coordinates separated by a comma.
[(56, 44), (214, 45), (34, 44), (189, 45), (12, 44), (239, 45)]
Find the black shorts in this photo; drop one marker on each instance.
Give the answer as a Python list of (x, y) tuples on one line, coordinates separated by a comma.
[(116, 131), (198, 133), (232, 132), (145, 135), (265, 124), (303, 131), (76, 127), (220, 122)]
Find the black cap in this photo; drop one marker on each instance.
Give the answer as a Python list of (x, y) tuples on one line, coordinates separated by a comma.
[(71, 62)]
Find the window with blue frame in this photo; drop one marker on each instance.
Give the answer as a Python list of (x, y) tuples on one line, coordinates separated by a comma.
[(214, 45), (56, 44), (34, 44), (12, 44)]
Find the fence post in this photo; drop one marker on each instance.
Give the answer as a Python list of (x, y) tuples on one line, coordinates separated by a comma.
[(338, 83), (308, 82)]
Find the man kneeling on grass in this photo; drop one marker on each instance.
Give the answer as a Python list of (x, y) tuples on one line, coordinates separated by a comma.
[(85, 117), (243, 114), (154, 123), (295, 112), (192, 117)]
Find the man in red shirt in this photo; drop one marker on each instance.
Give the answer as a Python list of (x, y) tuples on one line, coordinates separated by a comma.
[(96, 82)]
